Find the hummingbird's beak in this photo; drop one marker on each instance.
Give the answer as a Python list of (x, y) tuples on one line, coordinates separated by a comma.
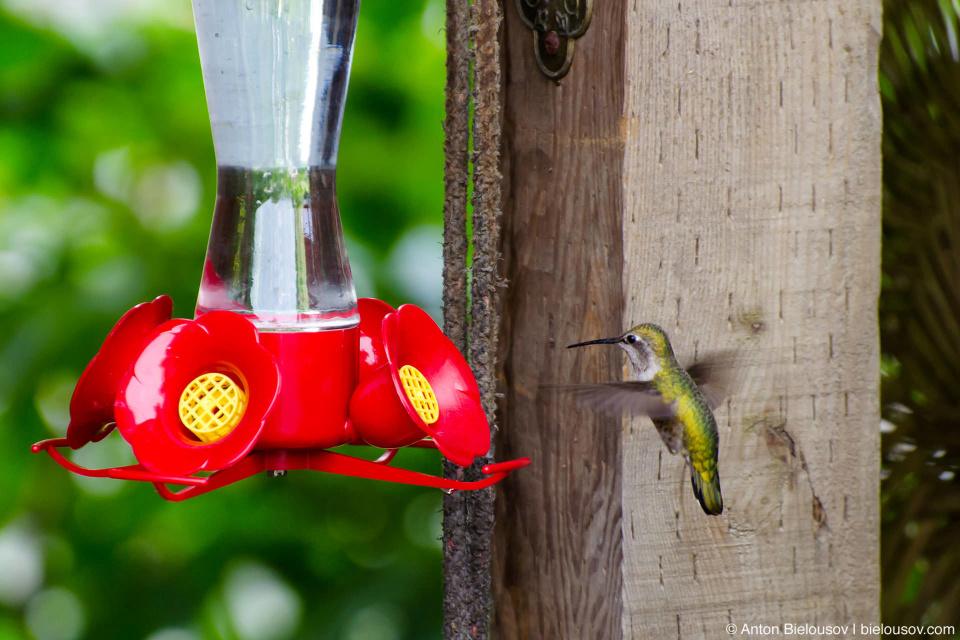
[(600, 341)]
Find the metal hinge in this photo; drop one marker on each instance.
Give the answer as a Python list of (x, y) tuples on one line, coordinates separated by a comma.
[(556, 25)]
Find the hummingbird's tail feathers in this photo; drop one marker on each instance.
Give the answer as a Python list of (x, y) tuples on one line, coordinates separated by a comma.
[(707, 492)]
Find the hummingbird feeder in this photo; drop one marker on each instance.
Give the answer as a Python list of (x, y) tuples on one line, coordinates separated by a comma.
[(282, 362)]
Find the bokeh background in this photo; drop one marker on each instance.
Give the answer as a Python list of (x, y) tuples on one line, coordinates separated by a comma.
[(106, 189), (107, 185), (920, 313)]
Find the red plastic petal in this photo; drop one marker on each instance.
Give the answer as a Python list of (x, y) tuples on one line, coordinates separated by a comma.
[(372, 354), (146, 406), (411, 337), (91, 407)]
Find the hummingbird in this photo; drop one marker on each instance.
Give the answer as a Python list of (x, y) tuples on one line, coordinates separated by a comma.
[(664, 391)]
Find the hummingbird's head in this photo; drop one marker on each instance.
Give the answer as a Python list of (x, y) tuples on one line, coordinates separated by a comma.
[(654, 337), (646, 345)]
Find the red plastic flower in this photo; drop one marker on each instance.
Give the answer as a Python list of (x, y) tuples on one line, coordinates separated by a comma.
[(91, 407), (221, 350), (424, 388)]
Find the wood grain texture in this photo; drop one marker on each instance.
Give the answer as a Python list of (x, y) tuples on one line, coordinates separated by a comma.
[(752, 219), (557, 543)]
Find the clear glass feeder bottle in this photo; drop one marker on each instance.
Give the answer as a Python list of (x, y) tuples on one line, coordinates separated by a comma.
[(275, 74)]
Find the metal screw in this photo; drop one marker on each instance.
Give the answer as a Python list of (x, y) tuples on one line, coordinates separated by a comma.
[(552, 43)]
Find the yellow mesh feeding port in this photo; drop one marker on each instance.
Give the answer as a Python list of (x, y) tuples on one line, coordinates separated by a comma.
[(211, 406), (420, 394)]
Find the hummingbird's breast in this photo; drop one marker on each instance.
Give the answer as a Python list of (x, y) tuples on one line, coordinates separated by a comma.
[(678, 389), (673, 383)]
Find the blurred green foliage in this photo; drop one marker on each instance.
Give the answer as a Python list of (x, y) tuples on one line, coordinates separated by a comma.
[(107, 183), (920, 313)]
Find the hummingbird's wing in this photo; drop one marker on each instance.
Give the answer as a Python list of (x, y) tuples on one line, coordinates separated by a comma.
[(716, 374), (617, 398)]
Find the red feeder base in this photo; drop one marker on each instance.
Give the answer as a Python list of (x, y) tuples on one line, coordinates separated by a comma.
[(318, 373), (283, 460)]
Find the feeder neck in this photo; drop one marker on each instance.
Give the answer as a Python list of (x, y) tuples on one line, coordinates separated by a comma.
[(276, 251)]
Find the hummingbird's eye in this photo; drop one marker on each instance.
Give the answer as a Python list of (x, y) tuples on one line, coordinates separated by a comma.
[(631, 338)]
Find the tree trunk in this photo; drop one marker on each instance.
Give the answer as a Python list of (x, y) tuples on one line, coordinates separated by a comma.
[(714, 168)]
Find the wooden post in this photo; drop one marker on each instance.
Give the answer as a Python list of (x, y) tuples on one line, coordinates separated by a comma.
[(715, 168), (557, 539)]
